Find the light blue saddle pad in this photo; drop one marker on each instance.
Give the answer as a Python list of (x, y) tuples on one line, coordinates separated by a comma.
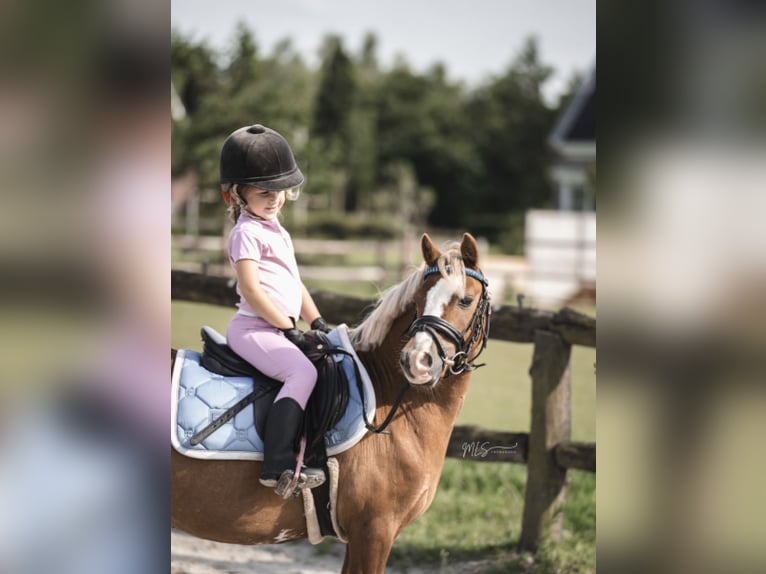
[(199, 397)]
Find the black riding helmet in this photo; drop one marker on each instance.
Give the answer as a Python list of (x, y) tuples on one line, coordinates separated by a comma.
[(259, 156)]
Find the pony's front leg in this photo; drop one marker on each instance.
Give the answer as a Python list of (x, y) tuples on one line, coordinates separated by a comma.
[(369, 545)]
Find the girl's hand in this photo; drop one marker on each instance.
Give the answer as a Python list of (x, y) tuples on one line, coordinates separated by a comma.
[(295, 336), (319, 324)]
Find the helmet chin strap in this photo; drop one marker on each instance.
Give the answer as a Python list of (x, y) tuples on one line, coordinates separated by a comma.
[(251, 212)]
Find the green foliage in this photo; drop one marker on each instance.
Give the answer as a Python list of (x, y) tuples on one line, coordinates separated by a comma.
[(194, 72), (482, 153), (335, 96), (361, 157), (512, 126), (332, 225), (244, 62), (511, 238)]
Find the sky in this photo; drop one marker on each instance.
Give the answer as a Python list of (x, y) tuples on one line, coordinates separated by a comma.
[(475, 39)]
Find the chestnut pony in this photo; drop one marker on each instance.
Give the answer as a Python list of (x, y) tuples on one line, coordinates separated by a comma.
[(426, 331)]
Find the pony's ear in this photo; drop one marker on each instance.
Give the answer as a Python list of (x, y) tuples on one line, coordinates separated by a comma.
[(430, 252), (470, 251)]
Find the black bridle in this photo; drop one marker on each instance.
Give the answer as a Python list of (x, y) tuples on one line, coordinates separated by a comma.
[(438, 328)]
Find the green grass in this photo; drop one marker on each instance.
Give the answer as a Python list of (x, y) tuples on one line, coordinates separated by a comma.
[(476, 514), (500, 393), (476, 510), (356, 258), (363, 289), (197, 256), (187, 318)]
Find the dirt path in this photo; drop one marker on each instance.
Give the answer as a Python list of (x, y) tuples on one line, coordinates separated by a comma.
[(190, 555)]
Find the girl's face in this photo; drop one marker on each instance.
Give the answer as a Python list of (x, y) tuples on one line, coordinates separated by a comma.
[(264, 204)]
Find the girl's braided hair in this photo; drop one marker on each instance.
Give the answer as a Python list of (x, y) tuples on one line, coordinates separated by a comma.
[(236, 204)]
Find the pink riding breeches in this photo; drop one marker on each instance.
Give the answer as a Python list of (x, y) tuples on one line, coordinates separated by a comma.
[(269, 351)]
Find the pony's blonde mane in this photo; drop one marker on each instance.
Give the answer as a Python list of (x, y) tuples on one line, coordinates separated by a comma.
[(370, 333)]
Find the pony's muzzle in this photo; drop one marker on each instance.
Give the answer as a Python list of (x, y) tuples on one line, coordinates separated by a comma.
[(420, 366)]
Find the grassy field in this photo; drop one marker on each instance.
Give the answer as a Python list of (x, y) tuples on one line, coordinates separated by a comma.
[(476, 515)]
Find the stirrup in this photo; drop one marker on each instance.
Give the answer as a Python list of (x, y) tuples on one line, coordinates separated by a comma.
[(290, 485)]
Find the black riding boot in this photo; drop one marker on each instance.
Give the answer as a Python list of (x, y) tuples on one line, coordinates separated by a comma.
[(282, 426)]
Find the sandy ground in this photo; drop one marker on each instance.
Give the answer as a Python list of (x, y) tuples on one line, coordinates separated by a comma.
[(190, 555)]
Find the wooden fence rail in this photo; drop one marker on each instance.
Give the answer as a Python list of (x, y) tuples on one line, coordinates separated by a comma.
[(547, 449), (508, 323), (469, 442)]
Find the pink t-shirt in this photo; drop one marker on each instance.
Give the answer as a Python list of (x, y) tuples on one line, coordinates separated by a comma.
[(268, 243)]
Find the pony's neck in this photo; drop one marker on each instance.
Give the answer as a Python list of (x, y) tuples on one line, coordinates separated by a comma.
[(382, 363)]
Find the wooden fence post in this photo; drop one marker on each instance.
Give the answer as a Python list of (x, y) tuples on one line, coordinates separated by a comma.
[(545, 495)]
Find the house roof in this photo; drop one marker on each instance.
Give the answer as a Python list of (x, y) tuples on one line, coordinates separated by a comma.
[(577, 123)]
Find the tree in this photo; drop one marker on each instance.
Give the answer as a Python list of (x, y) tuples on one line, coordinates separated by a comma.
[(422, 120), (335, 97), (242, 69), (275, 91), (331, 125), (512, 124), (193, 71), (195, 76), (483, 152), (362, 163)]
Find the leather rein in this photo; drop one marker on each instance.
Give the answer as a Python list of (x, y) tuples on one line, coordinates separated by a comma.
[(436, 327)]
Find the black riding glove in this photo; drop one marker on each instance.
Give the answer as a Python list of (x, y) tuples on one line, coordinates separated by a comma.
[(295, 336), (320, 324)]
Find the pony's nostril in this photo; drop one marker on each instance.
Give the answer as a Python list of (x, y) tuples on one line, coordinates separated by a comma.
[(424, 360)]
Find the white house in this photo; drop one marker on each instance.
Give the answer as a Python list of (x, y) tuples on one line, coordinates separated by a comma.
[(560, 244), (573, 139)]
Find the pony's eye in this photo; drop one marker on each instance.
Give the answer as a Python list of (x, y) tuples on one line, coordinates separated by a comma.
[(466, 301)]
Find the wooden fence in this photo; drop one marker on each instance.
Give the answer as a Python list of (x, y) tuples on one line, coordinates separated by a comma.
[(547, 449)]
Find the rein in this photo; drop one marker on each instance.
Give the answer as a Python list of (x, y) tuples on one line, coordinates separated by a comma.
[(435, 326)]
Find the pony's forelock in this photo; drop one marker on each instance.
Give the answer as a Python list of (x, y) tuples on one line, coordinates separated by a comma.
[(452, 268), (370, 333)]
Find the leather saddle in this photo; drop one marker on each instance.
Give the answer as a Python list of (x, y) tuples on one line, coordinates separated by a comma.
[(326, 405), (218, 357)]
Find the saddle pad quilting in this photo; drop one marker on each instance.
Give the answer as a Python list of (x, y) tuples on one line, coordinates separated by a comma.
[(199, 397)]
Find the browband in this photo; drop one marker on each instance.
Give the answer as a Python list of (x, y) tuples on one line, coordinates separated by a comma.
[(470, 272)]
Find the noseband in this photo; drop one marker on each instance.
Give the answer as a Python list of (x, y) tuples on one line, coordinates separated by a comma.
[(437, 327)]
